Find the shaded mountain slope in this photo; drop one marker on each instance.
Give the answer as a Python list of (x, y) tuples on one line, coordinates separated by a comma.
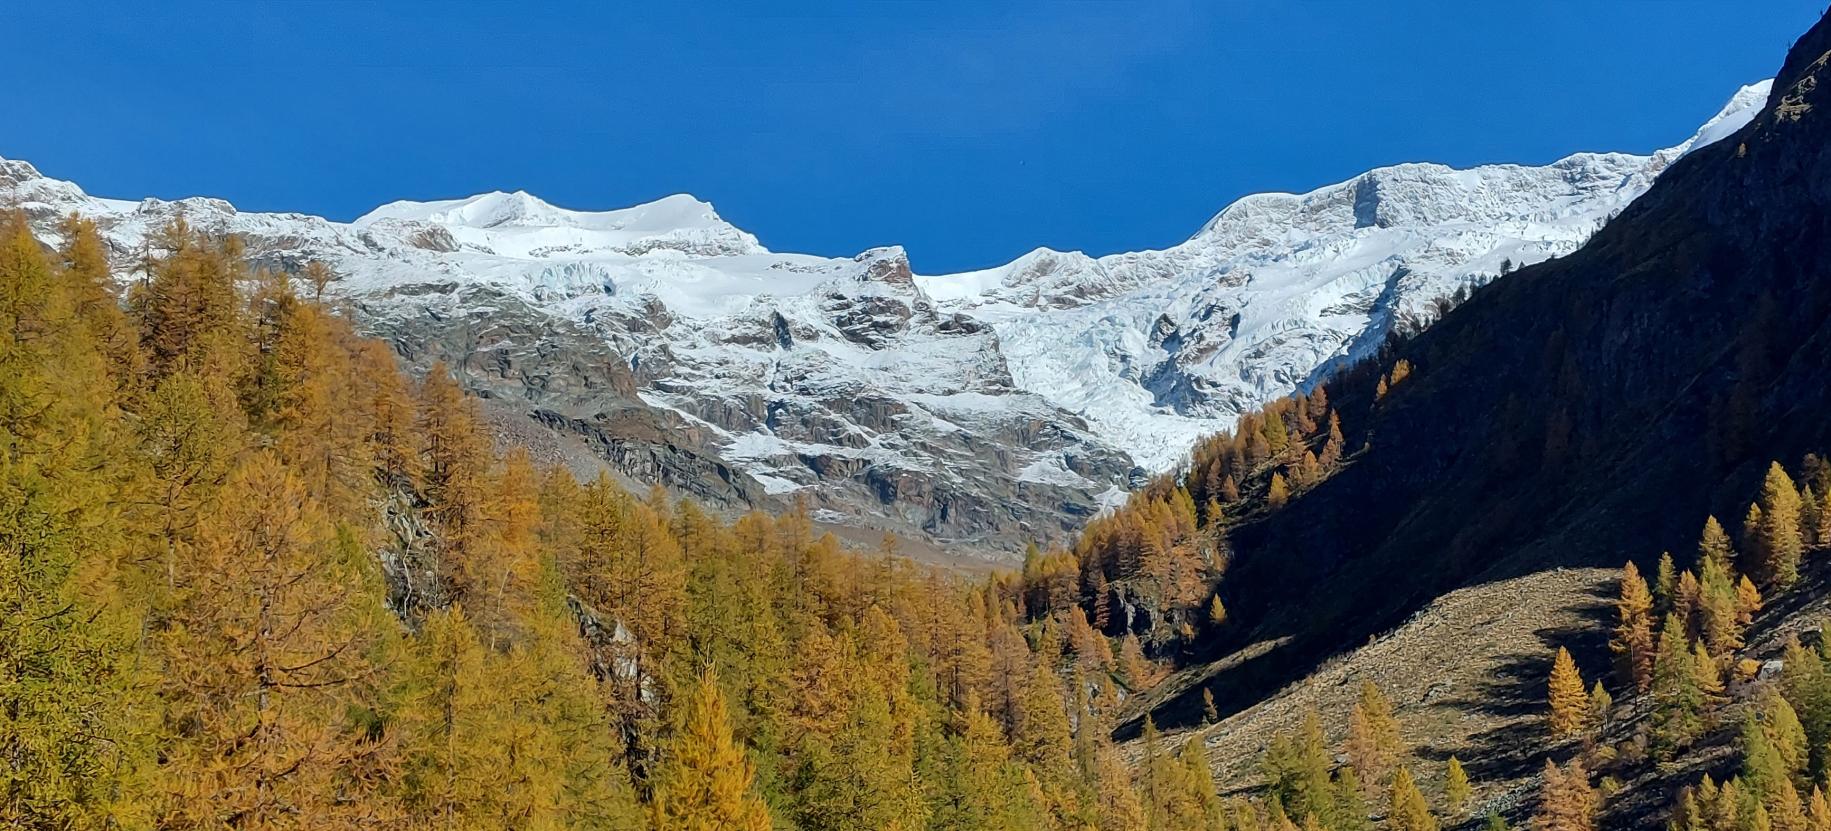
[(1586, 411)]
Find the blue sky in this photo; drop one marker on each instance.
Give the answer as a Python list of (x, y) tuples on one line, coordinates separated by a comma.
[(968, 131)]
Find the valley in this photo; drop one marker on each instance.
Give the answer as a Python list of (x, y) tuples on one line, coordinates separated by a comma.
[(1489, 498)]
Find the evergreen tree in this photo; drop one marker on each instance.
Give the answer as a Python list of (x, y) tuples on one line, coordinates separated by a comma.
[(1276, 436), (1787, 734), (1806, 685), (1601, 704), (864, 776), (1351, 811), (1762, 767), (1207, 811), (1717, 610), (984, 787), (1685, 689), (1680, 702)]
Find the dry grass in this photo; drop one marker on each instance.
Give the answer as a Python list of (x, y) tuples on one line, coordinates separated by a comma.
[(1466, 677)]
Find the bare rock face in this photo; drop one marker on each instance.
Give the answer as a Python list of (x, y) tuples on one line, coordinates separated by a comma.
[(979, 411), (889, 266), (561, 377)]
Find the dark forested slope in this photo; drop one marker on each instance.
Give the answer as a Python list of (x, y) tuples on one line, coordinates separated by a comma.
[(1580, 412)]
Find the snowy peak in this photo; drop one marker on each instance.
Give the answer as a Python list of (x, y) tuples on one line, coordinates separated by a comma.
[(484, 210), (496, 209), (24, 188), (14, 172), (526, 225), (1741, 109), (1422, 193)]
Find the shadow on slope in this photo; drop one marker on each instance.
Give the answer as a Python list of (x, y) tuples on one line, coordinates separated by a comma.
[(1579, 413)]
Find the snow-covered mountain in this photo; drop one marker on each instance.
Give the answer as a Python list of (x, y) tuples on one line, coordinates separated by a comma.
[(985, 407)]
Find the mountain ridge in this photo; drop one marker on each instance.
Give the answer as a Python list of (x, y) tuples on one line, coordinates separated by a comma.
[(989, 407)]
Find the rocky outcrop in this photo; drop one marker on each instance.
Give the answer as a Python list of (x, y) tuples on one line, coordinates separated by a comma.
[(408, 554)]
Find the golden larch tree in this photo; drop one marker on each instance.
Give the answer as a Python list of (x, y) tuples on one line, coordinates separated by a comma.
[(1566, 801), (1456, 788), (1569, 701), (1278, 493), (67, 689), (1409, 811), (1714, 545), (454, 460), (263, 635), (704, 781), (1374, 744), (1633, 641), (1777, 534)]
